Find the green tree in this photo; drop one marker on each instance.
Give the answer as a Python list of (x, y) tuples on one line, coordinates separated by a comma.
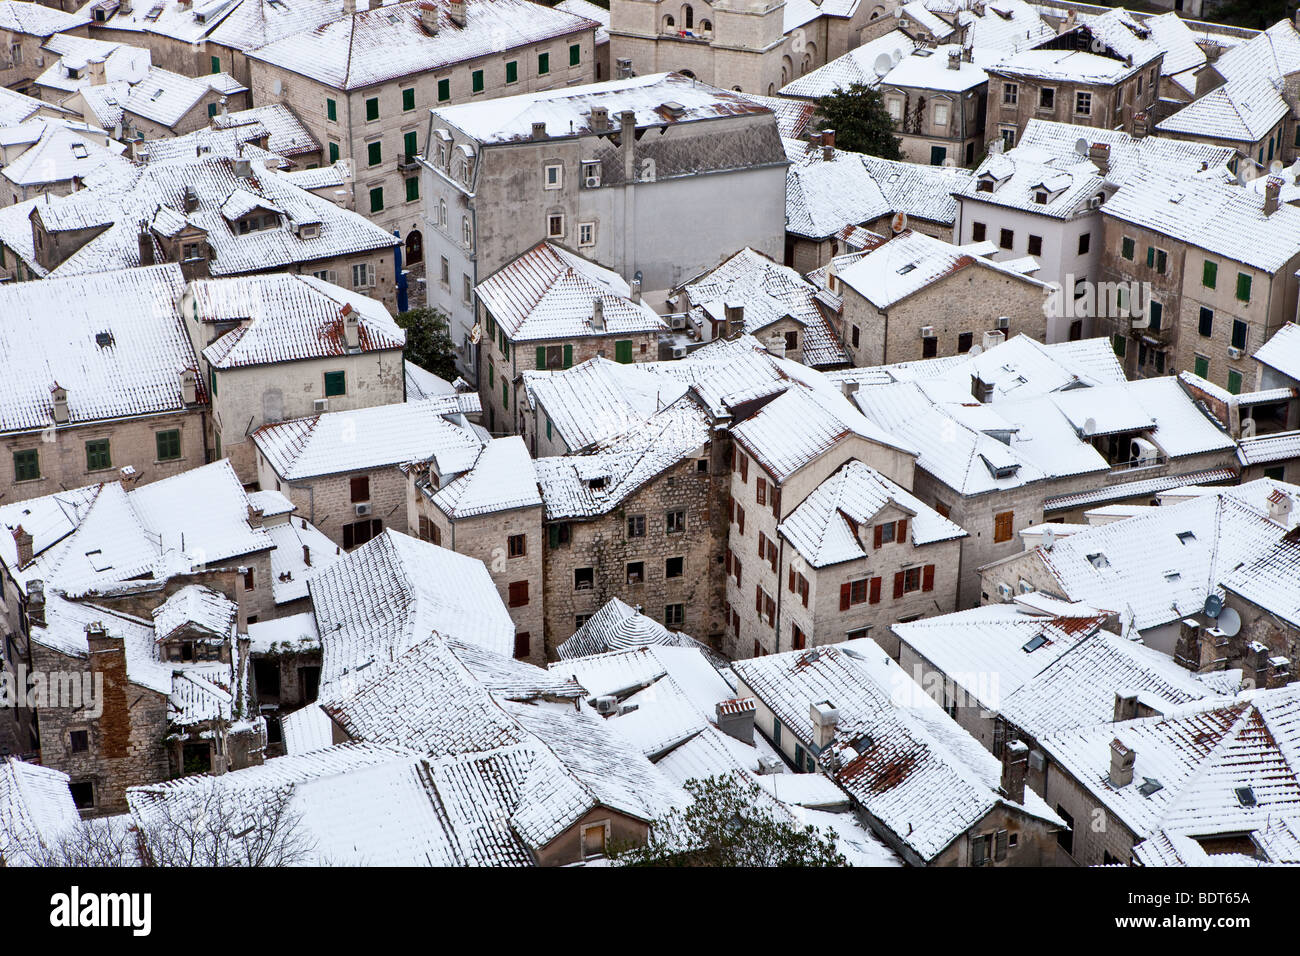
[(860, 121), (1256, 14), (730, 822), (428, 341)]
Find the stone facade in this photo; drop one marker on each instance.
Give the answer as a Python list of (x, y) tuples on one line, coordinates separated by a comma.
[(331, 502), (24, 51), (195, 118), (1096, 836)]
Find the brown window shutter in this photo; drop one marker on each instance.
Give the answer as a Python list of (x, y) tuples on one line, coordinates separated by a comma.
[(927, 578), (902, 530), (875, 590), (898, 584), (791, 579), (761, 491), (740, 519), (803, 589), (762, 546), (758, 598), (736, 563), (879, 535), (728, 561), (844, 596), (744, 470), (775, 498)]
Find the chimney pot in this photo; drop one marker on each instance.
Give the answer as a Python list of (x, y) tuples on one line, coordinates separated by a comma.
[(1015, 765), (828, 144), (1272, 194), (306, 555), (539, 131), (825, 721), (954, 59), (456, 12), (735, 718), (23, 542), (735, 318), (1099, 154), (1122, 759), (189, 386), (59, 402), (1126, 704)]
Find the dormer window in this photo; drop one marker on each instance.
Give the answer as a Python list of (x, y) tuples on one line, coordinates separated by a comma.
[(984, 185), (1040, 197), (257, 223)]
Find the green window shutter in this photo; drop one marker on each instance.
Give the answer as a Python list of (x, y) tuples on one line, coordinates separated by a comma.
[(413, 189), (1202, 366), (216, 64), (169, 444), (212, 382), (97, 455), (1127, 248), (1210, 274), (444, 90), (623, 351), (1239, 332), (377, 199), (1243, 287), (1120, 345), (336, 383), (548, 427), (541, 356), (543, 64), (1157, 312), (410, 143), (568, 356), (372, 108), (1151, 257), (505, 394), (512, 71), (1206, 324), (1234, 383), (212, 109), (476, 81), (575, 54), (27, 465), (408, 99), (492, 379), (553, 535), (334, 152), (374, 153), (331, 110)]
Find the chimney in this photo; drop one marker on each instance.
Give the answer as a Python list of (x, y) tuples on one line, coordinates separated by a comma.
[(598, 314), (735, 718), (254, 516), (59, 400), (1187, 651), (981, 390), (1126, 705), (1279, 507), (539, 131), (828, 144), (306, 555), (429, 17), (1139, 124), (349, 7), (968, 53), (635, 286), (23, 542), (351, 329), (599, 119), (36, 603), (1099, 154), (735, 316), (1272, 192), (145, 242), (848, 388), (627, 143), (376, 4), (1015, 766), (994, 338), (825, 719), (1121, 764), (1256, 665), (96, 69), (456, 12), (191, 200), (954, 59), (189, 386)]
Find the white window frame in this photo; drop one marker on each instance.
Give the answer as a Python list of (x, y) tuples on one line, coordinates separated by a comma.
[(549, 233), (555, 170), (586, 234)]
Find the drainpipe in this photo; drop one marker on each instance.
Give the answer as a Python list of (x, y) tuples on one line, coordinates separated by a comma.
[(399, 276)]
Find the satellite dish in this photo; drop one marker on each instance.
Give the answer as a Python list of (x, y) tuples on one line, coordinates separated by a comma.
[(1090, 426), (1081, 147), (975, 350), (899, 222), (883, 64), (898, 56), (1229, 622), (1213, 605), (1275, 167)]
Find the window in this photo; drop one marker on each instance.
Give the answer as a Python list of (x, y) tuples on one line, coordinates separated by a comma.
[(168, 444), (1035, 245), (674, 567), (1210, 274), (1007, 238), (336, 383), (1002, 526), (444, 90), (1239, 329), (334, 152), (635, 572), (512, 71), (518, 594), (359, 489), (1085, 243), (1157, 314), (584, 579), (555, 225), (408, 99), (1206, 324), (1083, 104), (517, 545), (543, 64), (374, 153), (1047, 98), (83, 794), (1243, 287), (586, 233), (359, 532), (1119, 344), (97, 455), (372, 109), (623, 351), (554, 176), (636, 526), (476, 81), (1157, 259), (675, 521), (410, 145), (978, 231), (941, 115), (413, 189), (929, 347), (964, 342), (445, 272), (575, 54), (78, 741), (857, 336), (1202, 366), (1128, 248), (466, 234), (377, 199), (1234, 382), (523, 645), (797, 639), (250, 579), (331, 111), (1010, 94), (674, 615)]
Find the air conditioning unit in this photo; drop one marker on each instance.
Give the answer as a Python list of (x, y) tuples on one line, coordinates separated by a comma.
[(321, 405), (591, 182), (606, 705), (363, 509), (1235, 353), (679, 351), (1025, 587), (677, 321), (1004, 322), (1005, 593), (927, 332), (1094, 202)]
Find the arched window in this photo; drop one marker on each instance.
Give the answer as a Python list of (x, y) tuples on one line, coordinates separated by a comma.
[(687, 73), (669, 24), (706, 26), (688, 16), (414, 247)]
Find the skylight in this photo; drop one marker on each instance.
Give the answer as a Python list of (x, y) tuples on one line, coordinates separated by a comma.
[(862, 744), (1186, 537), (1149, 786), (1034, 644), (1245, 796), (1098, 560)]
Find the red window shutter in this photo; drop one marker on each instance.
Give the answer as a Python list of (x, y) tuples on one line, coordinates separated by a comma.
[(898, 584), (927, 578), (844, 595), (803, 589), (775, 497), (879, 535), (875, 590), (902, 530)]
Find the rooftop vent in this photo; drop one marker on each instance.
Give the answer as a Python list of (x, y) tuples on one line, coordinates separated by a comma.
[(429, 18), (1149, 786), (456, 12), (1245, 796), (673, 110), (103, 339)]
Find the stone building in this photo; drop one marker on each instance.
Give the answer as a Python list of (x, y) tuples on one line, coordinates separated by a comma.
[(54, 157), (164, 104), (1216, 263), (24, 30), (116, 394), (550, 308), (363, 81), (493, 513), (340, 469), (605, 170)]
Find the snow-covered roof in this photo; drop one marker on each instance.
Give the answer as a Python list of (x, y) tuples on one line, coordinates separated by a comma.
[(582, 8), (287, 135), (1079, 65), (164, 97), (122, 64), (824, 527), (368, 438), (549, 293), (294, 633), (36, 810), (118, 348), (36, 19), (375, 46), (286, 318), (856, 66), (911, 767), (195, 606), (501, 479), (1282, 351), (64, 153), (793, 117), (618, 627)]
